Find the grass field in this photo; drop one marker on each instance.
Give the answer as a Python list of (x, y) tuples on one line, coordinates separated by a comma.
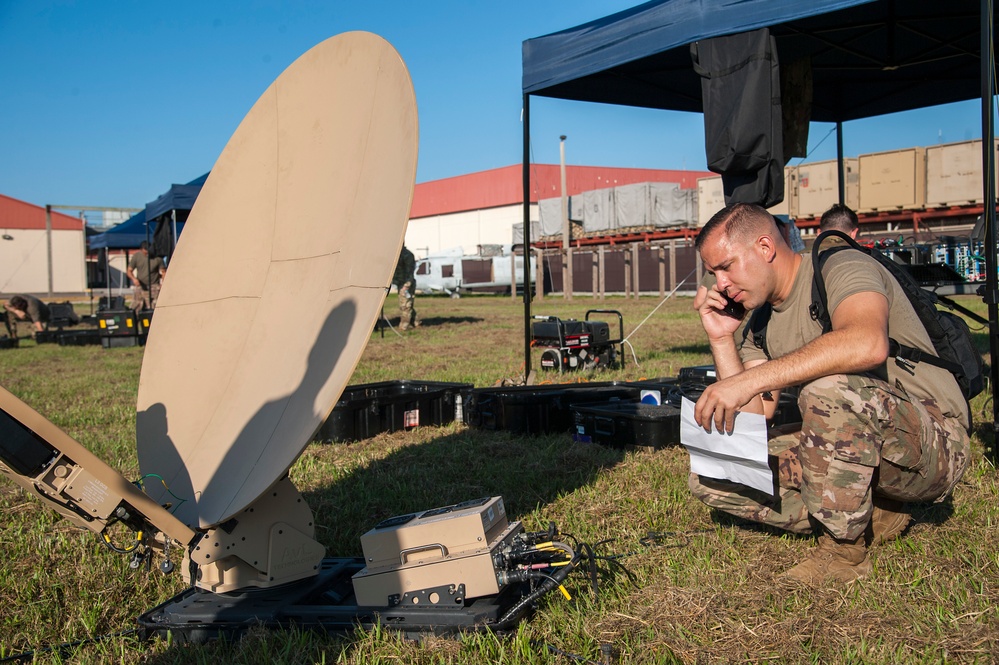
[(692, 586)]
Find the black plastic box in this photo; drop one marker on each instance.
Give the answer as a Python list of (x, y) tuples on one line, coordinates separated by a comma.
[(671, 390), (628, 424), (119, 323), (79, 337), (120, 342), (47, 336), (62, 314), (369, 409), (119, 328), (698, 374), (538, 409), (111, 303), (143, 319)]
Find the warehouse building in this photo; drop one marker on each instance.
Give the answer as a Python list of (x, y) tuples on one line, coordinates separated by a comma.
[(40, 253), (483, 208)]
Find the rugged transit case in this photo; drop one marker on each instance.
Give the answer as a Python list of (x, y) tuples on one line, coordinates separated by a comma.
[(366, 410), (119, 328), (627, 424), (538, 409), (82, 337)]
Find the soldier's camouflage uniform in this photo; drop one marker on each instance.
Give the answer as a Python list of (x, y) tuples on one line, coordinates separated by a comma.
[(861, 435), (405, 280), (857, 433)]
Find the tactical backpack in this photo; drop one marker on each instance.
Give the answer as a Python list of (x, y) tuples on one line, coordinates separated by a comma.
[(955, 350)]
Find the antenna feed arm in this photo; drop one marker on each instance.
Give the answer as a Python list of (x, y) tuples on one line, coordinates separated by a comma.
[(54, 467)]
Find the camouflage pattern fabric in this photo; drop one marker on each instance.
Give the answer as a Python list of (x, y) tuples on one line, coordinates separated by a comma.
[(407, 309), (859, 436), (141, 299)]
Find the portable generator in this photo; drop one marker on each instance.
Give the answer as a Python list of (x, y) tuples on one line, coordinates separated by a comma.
[(573, 345)]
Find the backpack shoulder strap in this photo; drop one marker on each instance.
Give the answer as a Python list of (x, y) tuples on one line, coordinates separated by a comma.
[(819, 309), (757, 327)]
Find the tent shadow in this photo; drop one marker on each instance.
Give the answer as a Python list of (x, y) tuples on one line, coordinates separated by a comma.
[(434, 321)]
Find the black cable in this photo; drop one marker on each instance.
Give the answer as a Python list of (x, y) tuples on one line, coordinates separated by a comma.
[(549, 583), (65, 646), (72, 507)]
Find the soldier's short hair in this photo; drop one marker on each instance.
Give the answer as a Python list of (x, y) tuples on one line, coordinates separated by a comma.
[(738, 221), (839, 218)]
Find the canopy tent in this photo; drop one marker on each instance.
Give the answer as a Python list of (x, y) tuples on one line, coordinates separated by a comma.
[(145, 224), (178, 197), (126, 235), (168, 214), (866, 57)]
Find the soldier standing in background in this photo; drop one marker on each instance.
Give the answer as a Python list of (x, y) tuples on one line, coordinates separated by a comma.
[(145, 273), (840, 218), (404, 280)]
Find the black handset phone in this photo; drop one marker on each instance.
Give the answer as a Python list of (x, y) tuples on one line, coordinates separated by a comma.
[(733, 308)]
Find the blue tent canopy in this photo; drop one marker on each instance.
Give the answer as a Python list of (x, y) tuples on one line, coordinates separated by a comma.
[(126, 235), (133, 231), (867, 57), (178, 197)]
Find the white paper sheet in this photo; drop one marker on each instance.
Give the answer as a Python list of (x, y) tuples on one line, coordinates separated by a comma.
[(740, 456)]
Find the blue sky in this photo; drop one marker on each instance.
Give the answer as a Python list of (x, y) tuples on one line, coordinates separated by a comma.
[(108, 103)]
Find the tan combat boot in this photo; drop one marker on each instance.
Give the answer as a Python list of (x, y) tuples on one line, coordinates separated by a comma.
[(888, 520), (836, 561)]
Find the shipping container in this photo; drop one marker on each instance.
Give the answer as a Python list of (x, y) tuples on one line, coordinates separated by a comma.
[(711, 197), (893, 180), (954, 174), (817, 187)]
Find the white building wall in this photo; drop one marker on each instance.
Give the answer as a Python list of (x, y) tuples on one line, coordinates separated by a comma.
[(468, 230), (24, 262)]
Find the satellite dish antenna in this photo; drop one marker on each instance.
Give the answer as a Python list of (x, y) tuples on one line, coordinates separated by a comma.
[(278, 278)]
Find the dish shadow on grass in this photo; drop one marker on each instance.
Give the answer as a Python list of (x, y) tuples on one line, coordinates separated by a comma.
[(527, 471)]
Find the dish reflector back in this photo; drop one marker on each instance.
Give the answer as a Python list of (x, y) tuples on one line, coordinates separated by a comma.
[(278, 279)]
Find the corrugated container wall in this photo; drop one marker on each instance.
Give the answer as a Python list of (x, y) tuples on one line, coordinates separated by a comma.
[(711, 197), (817, 186), (893, 180), (954, 174)]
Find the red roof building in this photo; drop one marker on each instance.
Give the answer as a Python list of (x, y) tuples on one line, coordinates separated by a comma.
[(26, 246), (503, 186), (15, 214)]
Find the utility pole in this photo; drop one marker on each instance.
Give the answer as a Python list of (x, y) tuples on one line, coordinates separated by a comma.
[(566, 231)]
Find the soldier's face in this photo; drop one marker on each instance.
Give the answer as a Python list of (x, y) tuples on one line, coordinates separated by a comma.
[(743, 270)]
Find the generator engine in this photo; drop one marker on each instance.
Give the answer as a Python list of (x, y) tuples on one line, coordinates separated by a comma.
[(570, 345)]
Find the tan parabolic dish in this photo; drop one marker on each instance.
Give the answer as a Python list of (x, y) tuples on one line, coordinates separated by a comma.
[(278, 278)]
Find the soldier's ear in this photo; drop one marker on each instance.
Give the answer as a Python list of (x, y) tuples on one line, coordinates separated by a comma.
[(767, 247)]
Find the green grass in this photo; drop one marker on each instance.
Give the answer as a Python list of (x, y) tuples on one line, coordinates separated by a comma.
[(703, 588)]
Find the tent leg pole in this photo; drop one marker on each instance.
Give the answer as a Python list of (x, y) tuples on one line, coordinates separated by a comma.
[(526, 182), (840, 163), (989, 211)]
